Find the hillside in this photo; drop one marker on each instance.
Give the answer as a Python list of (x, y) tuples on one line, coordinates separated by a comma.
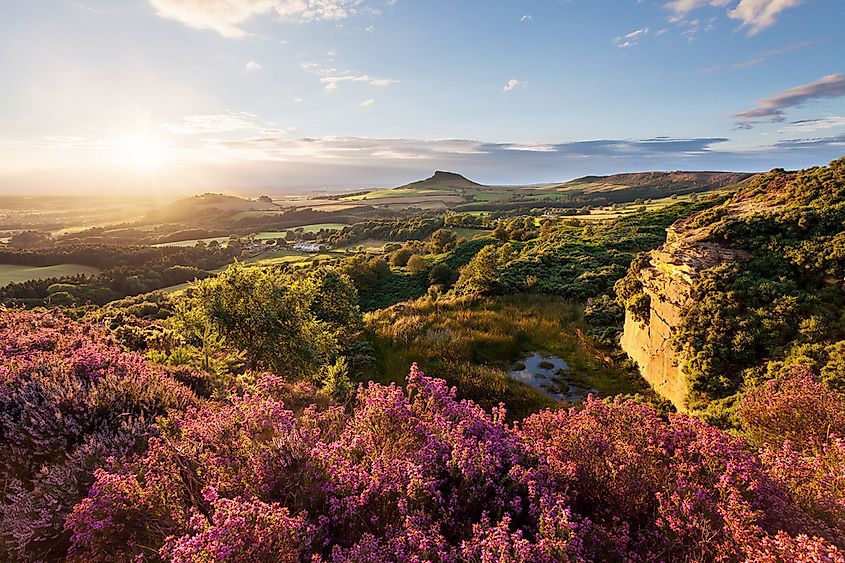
[(207, 205), (741, 292), (259, 414), (448, 190), (441, 181), (676, 182)]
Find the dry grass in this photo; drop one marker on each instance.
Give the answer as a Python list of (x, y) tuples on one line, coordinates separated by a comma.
[(471, 343)]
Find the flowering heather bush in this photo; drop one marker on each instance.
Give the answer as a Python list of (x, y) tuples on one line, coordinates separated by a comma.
[(797, 408), (417, 475), (69, 399), (800, 422), (405, 475)]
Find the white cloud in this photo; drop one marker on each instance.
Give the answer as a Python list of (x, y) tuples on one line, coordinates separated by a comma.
[(367, 103), (212, 162), (332, 82), (513, 84), (227, 16), (631, 39), (773, 108), (253, 66), (755, 15), (214, 123), (681, 8), (526, 18), (810, 125), (333, 77)]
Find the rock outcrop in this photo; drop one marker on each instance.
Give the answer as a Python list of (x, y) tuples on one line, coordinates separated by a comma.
[(668, 281)]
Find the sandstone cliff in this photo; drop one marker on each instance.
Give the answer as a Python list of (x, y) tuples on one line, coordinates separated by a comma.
[(668, 280)]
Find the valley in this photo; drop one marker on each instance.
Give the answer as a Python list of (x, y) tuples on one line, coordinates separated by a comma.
[(567, 323), (398, 281)]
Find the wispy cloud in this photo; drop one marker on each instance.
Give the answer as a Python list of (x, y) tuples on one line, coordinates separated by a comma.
[(252, 66), (836, 142), (682, 8), (763, 57), (227, 16), (367, 103), (773, 109), (811, 125), (332, 77), (214, 123), (631, 39), (278, 160), (513, 84), (332, 82), (755, 15)]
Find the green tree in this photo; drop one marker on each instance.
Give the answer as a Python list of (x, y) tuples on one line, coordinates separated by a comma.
[(442, 240), (441, 274), (263, 314), (481, 274), (400, 257), (417, 264), (336, 382), (332, 297)]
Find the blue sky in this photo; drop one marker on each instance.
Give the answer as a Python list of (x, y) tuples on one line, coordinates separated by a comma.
[(250, 95)]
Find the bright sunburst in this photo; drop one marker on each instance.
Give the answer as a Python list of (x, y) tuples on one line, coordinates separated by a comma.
[(142, 151)]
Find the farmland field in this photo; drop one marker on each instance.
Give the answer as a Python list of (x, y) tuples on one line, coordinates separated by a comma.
[(469, 233), (307, 228), (14, 273), (396, 193), (194, 241)]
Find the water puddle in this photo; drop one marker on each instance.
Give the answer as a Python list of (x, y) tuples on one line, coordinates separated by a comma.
[(547, 374)]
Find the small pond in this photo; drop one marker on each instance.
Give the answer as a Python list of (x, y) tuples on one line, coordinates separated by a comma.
[(547, 374)]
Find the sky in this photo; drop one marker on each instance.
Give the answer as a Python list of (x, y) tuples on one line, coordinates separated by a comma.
[(181, 96)]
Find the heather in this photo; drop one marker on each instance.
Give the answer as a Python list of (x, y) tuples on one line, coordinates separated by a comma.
[(70, 399), (417, 475), (107, 457)]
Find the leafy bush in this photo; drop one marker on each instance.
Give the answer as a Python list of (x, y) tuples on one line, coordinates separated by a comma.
[(752, 319)]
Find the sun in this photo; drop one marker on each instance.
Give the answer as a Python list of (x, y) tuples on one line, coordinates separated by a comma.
[(142, 151)]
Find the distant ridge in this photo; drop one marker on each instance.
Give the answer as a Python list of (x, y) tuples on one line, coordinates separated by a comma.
[(442, 180), (681, 179)]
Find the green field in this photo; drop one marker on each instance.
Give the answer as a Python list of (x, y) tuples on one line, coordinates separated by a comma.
[(264, 235), (307, 228), (194, 241), (14, 273), (266, 259), (370, 245), (469, 233), (397, 193), (489, 197), (631, 209)]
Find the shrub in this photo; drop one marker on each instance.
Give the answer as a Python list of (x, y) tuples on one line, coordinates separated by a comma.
[(421, 476), (69, 400)]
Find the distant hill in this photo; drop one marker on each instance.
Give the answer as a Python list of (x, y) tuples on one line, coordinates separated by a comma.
[(442, 181), (207, 205), (449, 190), (679, 182)]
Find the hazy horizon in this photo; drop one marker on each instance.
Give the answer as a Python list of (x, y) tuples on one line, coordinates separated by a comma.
[(170, 97)]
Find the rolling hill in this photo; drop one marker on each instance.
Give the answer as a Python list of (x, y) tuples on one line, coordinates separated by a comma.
[(442, 181)]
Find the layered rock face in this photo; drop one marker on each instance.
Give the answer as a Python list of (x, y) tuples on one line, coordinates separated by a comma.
[(668, 281)]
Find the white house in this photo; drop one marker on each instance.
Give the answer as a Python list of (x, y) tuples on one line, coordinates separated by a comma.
[(306, 247)]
